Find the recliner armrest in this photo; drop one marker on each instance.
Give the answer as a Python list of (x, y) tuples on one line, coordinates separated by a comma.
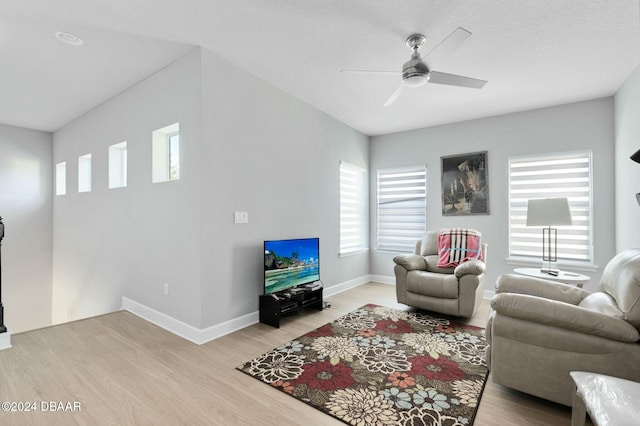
[(411, 262), (473, 267), (563, 315), (521, 284)]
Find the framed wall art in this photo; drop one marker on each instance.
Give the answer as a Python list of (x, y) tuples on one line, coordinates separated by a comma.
[(465, 187)]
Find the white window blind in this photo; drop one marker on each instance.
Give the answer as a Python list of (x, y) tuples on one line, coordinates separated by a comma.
[(402, 208), (551, 176), (353, 209)]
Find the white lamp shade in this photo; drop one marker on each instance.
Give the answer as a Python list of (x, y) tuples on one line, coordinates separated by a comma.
[(548, 212)]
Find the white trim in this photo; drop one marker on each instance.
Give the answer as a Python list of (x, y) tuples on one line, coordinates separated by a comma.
[(184, 330), (215, 331), (353, 252), (382, 279), (347, 285), (5, 339), (565, 265), (201, 336)]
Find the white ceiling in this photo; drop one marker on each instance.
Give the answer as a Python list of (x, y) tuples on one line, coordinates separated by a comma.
[(533, 53)]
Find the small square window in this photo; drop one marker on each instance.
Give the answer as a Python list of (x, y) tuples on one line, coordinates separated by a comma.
[(84, 173), (166, 153), (118, 165), (61, 178)]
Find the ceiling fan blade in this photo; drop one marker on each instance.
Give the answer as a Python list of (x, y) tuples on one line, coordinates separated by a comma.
[(394, 96), (371, 72), (448, 45), (455, 80)]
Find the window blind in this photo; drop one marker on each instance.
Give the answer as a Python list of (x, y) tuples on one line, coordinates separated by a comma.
[(551, 176), (402, 208), (354, 216)]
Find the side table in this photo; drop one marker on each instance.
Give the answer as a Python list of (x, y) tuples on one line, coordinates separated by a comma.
[(608, 400), (563, 276)]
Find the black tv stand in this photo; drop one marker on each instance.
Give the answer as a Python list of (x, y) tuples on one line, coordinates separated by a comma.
[(273, 306)]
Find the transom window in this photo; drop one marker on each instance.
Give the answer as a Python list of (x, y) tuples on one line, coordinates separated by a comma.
[(165, 153)]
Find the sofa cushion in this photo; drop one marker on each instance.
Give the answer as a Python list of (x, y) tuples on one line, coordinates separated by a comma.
[(473, 267), (433, 284), (432, 265), (603, 303), (563, 315), (411, 262), (621, 280), (429, 244)]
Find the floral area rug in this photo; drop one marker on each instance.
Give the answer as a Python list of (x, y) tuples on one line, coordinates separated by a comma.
[(382, 366)]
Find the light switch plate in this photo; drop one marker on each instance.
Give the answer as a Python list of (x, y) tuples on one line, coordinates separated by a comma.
[(241, 217)]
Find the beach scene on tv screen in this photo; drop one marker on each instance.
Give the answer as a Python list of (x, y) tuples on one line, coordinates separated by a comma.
[(289, 263)]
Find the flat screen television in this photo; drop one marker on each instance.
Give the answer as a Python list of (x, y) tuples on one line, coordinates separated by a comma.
[(290, 263)]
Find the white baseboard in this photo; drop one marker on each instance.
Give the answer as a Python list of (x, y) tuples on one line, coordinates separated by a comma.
[(193, 334), (382, 279), (347, 285), (201, 336), (5, 339)]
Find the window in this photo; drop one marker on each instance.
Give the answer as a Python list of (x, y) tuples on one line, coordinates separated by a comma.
[(402, 208), (353, 209), (84, 173), (174, 156), (551, 176), (61, 178), (118, 165), (165, 153)]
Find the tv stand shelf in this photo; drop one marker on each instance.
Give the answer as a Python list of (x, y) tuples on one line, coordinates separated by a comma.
[(273, 308)]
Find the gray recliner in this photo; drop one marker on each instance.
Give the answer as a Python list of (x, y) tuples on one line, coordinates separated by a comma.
[(540, 330), (422, 284)]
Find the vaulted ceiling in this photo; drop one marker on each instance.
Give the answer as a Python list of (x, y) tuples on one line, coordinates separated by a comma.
[(532, 53)]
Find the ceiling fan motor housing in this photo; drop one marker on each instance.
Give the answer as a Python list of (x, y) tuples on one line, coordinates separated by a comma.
[(415, 73)]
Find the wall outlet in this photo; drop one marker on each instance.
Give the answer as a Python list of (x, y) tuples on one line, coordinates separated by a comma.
[(241, 217), (166, 289)]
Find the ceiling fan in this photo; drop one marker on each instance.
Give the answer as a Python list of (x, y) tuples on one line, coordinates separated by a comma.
[(416, 73)]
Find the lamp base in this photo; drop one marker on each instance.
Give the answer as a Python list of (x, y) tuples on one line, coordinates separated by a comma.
[(3, 329), (549, 268)]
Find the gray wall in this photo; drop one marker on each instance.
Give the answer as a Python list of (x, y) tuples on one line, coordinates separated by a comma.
[(110, 243), (26, 206), (277, 158), (245, 145), (578, 126), (627, 172)]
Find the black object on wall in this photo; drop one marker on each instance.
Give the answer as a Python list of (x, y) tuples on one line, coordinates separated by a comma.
[(636, 157), (2, 326)]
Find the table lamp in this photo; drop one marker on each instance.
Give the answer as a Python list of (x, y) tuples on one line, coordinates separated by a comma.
[(636, 157), (548, 212), (3, 328)]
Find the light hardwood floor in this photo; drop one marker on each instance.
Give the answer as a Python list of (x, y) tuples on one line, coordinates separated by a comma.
[(123, 370)]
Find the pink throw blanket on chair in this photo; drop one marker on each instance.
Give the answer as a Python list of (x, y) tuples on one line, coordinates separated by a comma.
[(457, 245)]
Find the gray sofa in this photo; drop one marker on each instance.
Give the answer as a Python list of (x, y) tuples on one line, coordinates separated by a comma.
[(539, 330), (422, 284)]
